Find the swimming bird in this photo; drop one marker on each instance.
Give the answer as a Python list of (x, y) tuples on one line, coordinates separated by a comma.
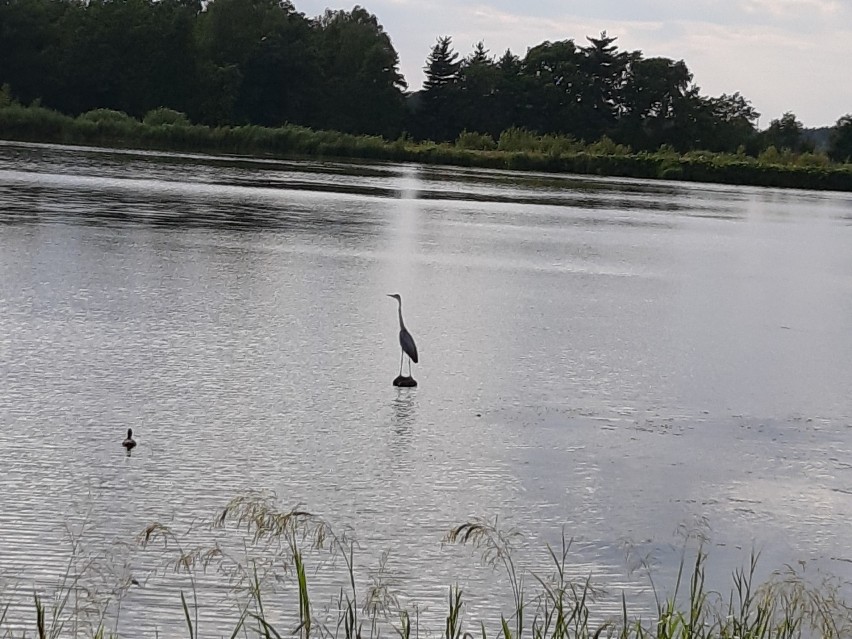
[(129, 443), (405, 340)]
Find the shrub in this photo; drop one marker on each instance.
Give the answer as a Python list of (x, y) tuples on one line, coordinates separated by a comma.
[(163, 115), (110, 116), (475, 141), (33, 123), (771, 155), (813, 159), (605, 146), (5, 95), (515, 139), (559, 144)]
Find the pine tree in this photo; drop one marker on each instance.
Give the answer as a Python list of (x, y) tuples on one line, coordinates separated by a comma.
[(440, 91), (442, 66)]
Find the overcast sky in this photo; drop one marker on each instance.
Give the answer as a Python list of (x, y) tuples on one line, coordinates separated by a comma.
[(782, 55)]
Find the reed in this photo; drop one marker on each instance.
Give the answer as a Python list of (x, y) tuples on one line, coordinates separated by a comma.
[(269, 556)]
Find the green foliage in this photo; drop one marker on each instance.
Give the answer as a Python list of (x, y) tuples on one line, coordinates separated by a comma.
[(517, 139), (164, 116), (263, 63), (109, 116), (262, 552), (784, 133), (785, 157), (442, 66), (840, 148), (103, 126), (516, 148), (18, 122), (5, 95), (359, 60), (475, 141), (810, 159), (438, 116), (770, 155), (605, 146), (671, 171)]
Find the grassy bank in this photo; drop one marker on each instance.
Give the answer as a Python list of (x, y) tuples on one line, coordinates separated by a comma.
[(516, 149), (272, 561)]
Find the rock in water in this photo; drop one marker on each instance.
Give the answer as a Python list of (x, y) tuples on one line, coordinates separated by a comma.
[(405, 382)]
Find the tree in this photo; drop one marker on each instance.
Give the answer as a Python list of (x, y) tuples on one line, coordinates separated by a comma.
[(553, 87), (606, 74), (438, 112), (127, 55), (717, 124), (509, 99), (259, 63), (784, 133), (840, 145), (442, 66), (362, 85), (29, 34), (653, 96), (479, 78)]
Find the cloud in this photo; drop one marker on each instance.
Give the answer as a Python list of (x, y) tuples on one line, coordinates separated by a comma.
[(787, 9), (776, 69)]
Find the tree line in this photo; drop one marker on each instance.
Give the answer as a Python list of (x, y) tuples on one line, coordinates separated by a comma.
[(263, 62)]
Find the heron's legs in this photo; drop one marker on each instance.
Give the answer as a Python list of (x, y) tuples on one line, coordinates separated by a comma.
[(401, 357)]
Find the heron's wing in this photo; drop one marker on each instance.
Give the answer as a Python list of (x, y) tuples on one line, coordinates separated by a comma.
[(408, 345)]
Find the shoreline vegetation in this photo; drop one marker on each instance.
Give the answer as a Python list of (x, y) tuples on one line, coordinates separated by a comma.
[(515, 149), (273, 563), (263, 78)]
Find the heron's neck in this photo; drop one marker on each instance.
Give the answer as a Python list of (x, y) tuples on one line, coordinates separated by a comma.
[(401, 325)]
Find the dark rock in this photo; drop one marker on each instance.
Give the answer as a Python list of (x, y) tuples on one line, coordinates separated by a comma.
[(405, 382)]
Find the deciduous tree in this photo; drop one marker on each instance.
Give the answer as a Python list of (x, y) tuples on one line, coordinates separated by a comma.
[(784, 133), (362, 85), (840, 145)]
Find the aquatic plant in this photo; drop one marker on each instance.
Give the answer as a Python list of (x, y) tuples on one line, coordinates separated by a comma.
[(268, 556)]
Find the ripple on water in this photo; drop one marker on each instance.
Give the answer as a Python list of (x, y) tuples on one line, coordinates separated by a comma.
[(617, 361)]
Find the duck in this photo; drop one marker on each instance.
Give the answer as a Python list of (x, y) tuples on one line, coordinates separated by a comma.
[(129, 443)]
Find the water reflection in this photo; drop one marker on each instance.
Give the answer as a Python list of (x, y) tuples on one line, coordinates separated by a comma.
[(404, 415)]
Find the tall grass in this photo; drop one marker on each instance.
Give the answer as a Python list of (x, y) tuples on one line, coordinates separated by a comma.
[(516, 149), (85, 602), (281, 551)]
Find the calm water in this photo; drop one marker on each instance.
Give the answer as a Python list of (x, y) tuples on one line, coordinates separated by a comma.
[(612, 358)]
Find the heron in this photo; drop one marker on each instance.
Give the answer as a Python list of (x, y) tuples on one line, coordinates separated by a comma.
[(405, 340), (129, 443)]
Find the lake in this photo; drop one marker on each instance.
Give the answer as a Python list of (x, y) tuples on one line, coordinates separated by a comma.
[(618, 361)]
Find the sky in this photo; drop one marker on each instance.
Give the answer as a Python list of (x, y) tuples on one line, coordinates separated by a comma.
[(781, 55)]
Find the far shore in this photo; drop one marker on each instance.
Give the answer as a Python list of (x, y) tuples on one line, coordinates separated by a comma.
[(516, 149)]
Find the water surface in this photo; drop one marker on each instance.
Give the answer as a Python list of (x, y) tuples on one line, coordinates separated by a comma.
[(615, 359)]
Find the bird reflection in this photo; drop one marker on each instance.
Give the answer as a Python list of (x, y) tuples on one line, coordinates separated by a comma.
[(404, 412)]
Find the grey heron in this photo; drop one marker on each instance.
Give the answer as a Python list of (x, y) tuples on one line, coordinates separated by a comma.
[(129, 443), (405, 340)]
